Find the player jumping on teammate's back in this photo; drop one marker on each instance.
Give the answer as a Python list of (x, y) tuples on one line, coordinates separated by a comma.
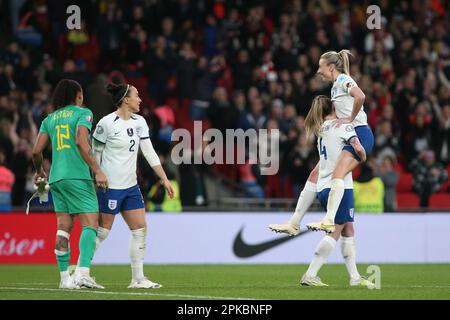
[(117, 139), (331, 140), (348, 100), (68, 130)]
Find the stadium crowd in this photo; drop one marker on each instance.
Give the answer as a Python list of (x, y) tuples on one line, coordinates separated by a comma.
[(236, 64)]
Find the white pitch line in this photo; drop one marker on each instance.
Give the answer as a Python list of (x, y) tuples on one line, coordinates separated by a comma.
[(128, 293), (438, 287)]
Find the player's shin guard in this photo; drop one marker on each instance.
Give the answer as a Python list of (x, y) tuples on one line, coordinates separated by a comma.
[(137, 252), (102, 234), (323, 251), (305, 200), (87, 246), (334, 198), (349, 254), (63, 257)]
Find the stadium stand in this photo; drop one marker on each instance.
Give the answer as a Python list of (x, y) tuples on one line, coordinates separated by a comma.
[(182, 53)]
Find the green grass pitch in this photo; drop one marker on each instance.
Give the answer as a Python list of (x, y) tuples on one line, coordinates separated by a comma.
[(186, 282)]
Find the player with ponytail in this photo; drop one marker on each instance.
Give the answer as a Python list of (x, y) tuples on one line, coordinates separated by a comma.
[(348, 100)]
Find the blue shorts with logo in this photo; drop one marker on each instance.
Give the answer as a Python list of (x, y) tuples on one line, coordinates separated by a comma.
[(114, 201), (345, 211), (365, 136)]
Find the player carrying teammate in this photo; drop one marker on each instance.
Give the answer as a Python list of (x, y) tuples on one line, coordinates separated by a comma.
[(348, 101), (331, 140), (117, 139), (73, 191)]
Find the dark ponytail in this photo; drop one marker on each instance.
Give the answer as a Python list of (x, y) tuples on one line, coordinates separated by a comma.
[(65, 93), (118, 92)]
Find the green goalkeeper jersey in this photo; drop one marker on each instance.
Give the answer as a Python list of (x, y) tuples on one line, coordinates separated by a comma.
[(61, 127)]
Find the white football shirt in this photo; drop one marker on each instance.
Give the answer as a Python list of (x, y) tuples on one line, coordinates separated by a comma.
[(343, 101), (121, 139), (330, 142)]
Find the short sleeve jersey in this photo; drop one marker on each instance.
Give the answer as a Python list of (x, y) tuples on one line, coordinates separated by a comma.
[(122, 140), (330, 142), (61, 127), (343, 101)]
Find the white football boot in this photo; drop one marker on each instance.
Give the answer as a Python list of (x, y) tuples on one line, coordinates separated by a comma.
[(362, 282), (144, 283), (324, 225), (87, 282), (68, 283), (312, 281), (288, 228)]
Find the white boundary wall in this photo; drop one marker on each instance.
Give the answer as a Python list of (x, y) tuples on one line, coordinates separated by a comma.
[(209, 238)]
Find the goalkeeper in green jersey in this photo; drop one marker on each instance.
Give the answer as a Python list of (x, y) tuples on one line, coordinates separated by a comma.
[(68, 130)]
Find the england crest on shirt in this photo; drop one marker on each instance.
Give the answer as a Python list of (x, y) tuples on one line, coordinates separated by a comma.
[(112, 204)]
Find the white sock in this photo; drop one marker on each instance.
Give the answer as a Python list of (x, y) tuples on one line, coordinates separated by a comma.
[(323, 251), (102, 234), (334, 198), (137, 252), (305, 200), (349, 254)]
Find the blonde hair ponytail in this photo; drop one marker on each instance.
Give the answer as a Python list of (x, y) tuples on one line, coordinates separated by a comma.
[(339, 59), (320, 108), (343, 54)]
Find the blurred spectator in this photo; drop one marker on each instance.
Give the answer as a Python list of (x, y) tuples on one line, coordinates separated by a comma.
[(428, 176), (6, 184), (386, 144), (222, 113), (421, 124), (255, 118), (158, 200), (390, 177), (192, 182), (186, 64), (158, 68), (443, 135), (110, 33), (249, 182), (368, 191), (203, 86), (242, 71), (301, 160)]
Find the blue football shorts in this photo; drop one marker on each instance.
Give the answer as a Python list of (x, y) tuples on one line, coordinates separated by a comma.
[(114, 201), (345, 211)]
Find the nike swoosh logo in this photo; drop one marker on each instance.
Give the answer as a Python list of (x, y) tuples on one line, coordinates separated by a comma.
[(245, 250), (116, 133)]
